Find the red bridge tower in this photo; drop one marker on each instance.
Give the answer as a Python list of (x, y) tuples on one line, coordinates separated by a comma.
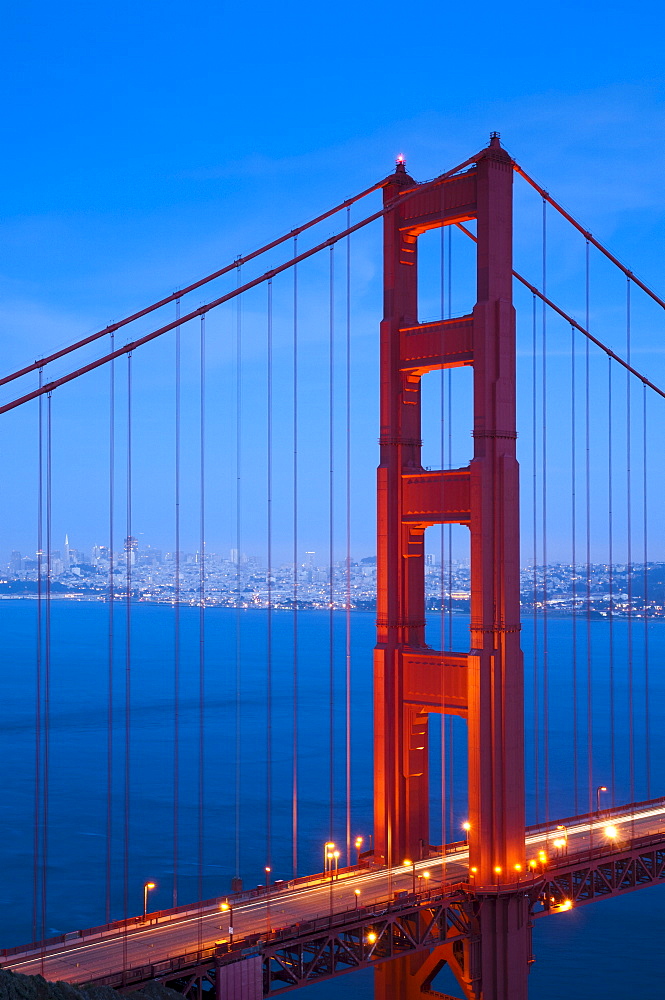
[(484, 685)]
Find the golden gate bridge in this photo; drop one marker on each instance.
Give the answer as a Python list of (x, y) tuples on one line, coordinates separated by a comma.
[(408, 906)]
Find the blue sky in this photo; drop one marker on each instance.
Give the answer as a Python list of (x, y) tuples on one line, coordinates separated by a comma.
[(146, 144)]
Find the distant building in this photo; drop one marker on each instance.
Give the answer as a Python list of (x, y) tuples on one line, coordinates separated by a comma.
[(131, 547)]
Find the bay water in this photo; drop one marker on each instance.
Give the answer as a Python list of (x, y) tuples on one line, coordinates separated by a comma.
[(580, 688)]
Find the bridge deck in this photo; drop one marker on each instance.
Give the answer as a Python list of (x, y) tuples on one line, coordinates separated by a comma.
[(136, 950)]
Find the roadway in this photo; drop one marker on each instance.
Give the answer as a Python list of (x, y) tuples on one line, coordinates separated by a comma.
[(161, 938)]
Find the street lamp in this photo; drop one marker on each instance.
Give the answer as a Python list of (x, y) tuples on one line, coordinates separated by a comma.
[(147, 886), (327, 856), (601, 788), (611, 832), (227, 906), (466, 826), (356, 893), (336, 860), (426, 876), (359, 844), (561, 842), (407, 862)]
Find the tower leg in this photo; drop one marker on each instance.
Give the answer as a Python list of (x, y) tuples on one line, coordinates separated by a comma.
[(491, 964), (395, 980), (504, 946)]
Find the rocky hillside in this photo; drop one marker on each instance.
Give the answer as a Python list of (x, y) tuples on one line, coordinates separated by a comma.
[(13, 986)]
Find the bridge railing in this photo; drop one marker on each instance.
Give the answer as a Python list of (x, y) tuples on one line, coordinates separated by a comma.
[(174, 913), (597, 815)]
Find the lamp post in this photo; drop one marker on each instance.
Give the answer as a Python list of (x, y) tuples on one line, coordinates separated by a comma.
[(268, 870), (227, 906), (466, 826), (601, 788), (359, 844), (327, 855), (336, 861), (147, 886), (406, 863), (561, 842), (356, 893)]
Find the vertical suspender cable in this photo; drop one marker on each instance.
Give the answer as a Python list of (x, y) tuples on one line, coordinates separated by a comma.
[(534, 542), (546, 706), (587, 426), (629, 556), (294, 779), (442, 551), (176, 623), (331, 531), (238, 302), (348, 540), (128, 655), (202, 604), (573, 515), (451, 732), (269, 589), (47, 673), (36, 869), (645, 557), (111, 637), (610, 554)]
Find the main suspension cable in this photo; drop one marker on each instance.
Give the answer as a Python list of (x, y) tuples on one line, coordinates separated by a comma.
[(207, 307), (175, 296), (569, 319), (587, 235)]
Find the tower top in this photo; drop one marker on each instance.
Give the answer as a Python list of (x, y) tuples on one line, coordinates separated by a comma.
[(495, 139)]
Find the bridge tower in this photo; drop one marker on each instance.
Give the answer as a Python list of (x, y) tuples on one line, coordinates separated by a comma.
[(485, 684)]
